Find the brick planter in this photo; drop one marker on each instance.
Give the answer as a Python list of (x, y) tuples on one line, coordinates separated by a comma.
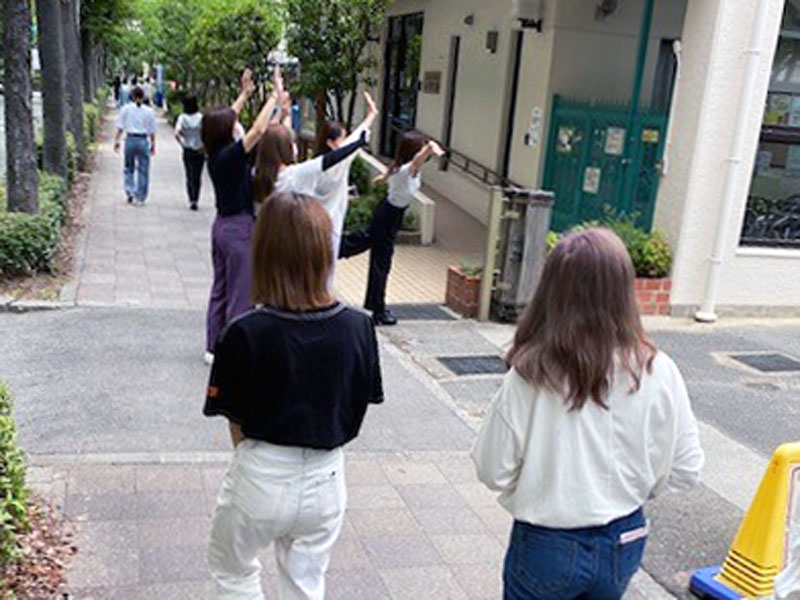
[(462, 293), (652, 295)]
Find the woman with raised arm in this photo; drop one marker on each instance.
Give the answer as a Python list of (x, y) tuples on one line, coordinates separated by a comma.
[(413, 150), (294, 377), (590, 423), (229, 168), (332, 189)]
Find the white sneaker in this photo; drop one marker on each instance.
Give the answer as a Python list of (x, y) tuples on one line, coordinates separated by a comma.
[(208, 358)]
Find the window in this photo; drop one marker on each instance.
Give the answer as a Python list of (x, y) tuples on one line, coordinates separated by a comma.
[(772, 217)]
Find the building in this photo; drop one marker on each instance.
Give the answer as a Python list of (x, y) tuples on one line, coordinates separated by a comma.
[(685, 113)]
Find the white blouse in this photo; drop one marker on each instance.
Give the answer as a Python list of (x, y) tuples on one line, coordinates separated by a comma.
[(402, 186), (565, 469)]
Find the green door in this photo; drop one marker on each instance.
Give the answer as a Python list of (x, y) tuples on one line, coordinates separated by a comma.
[(591, 169)]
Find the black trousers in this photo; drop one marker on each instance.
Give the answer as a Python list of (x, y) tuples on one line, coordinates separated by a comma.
[(193, 164), (378, 237)]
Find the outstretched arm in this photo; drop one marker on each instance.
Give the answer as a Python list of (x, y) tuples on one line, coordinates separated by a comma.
[(334, 157), (428, 150), (246, 89), (366, 124), (268, 113)]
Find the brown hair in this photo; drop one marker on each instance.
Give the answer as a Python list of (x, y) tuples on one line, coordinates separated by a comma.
[(292, 254), (275, 148), (216, 128), (582, 318)]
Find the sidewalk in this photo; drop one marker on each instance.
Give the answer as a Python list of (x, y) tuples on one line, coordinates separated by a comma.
[(159, 256), (113, 427)]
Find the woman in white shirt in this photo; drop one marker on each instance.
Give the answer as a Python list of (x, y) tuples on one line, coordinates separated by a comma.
[(332, 189), (379, 236), (591, 421), (187, 132)]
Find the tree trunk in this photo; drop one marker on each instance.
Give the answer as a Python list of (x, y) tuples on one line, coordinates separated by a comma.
[(54, 154), (351, 107), (320, 102), (22, 178), (74, 78), (89, 66)]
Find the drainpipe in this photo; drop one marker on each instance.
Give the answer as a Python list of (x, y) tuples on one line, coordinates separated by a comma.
[(706, 313), (677, 50)]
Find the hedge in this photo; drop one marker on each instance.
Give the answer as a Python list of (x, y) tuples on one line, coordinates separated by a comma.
[(72, 153), (650, 251), (28, 242), (13, 492)]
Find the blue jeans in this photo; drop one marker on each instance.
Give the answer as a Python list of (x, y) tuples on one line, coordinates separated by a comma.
[(137, 166), (591, 563)]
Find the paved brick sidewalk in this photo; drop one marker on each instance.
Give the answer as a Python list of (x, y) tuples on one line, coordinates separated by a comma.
[(158, 256)]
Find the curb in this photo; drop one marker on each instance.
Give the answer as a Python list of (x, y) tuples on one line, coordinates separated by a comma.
[(11, 305)]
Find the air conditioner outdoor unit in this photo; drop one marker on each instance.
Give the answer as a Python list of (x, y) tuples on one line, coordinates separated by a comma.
[(529, 13)]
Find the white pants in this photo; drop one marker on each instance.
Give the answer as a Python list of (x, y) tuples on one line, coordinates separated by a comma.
[(294, 497)]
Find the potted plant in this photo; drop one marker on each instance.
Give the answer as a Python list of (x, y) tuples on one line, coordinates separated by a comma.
[(463, 288)]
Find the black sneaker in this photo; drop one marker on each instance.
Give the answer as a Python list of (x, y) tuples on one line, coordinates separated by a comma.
[(384, 318), (130, 199), (193, 206)]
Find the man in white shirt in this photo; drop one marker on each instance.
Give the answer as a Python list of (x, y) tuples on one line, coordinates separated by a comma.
[(138, 122)]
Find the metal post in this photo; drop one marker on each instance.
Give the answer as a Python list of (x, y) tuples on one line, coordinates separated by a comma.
[(641, 59), (490, 259), (537, 224)]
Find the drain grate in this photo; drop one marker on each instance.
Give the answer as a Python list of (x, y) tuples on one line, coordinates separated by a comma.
[(770, 362), (421, 312), (474, 365)]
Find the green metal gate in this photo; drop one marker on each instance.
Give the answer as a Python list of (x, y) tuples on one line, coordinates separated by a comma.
[(594, 164)]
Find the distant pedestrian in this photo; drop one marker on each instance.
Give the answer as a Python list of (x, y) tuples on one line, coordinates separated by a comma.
[(403, 176), (147, 88), (187, 132), (591, 421), (229, 168), (294, 378), (115, 85), (124, 93), (138, 122)]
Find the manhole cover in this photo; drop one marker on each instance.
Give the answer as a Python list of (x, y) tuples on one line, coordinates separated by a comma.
[(474, 365), (421, 312), (771, 362)]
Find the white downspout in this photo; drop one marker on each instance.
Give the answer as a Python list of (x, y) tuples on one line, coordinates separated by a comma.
[(706, 313), (678, 52)]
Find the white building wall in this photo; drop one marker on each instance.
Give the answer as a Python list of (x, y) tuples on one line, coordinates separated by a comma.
[(715, 40)]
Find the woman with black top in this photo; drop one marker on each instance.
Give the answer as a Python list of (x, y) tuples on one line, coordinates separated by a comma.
[(187, 132), (229, 167), (294, 377)]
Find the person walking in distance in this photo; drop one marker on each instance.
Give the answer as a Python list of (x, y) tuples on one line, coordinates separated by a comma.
[(413, 150), (138, 123), (294, 377), (229, 167), (124, 93), (591, 421), (187, 132)]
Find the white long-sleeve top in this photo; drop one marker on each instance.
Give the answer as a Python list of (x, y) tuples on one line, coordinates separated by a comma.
[(565, 469), (332, 188)]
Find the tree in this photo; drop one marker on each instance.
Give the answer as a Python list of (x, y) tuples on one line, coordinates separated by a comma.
[(22, 178), (330, 38), (74, 76), (54, 154), (103, 27), (229, 36)]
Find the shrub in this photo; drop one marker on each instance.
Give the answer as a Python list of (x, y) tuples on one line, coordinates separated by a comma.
[(471, 269), (410, 221), (72, 154), (91, 121), (28, 242), (650, 252), (13, 492), (361, 176), (359, 213)]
